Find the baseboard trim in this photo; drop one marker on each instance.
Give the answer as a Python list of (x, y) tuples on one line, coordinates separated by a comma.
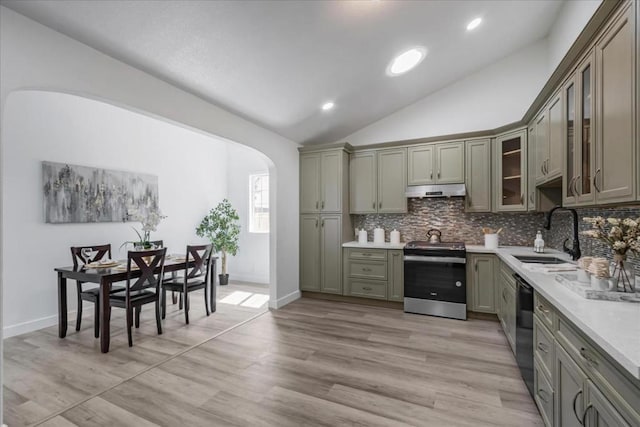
[(33, 325), (249, 278), (279, 303), (353, 300)]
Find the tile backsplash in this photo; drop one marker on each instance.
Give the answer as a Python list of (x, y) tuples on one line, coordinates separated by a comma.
[(449, 217)]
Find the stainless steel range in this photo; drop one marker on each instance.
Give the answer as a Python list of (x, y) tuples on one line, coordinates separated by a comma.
[(435, 279)]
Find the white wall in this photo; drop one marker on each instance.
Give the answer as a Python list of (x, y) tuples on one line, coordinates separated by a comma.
[(569, 23), (492, 97), (70, 129), (34, 56), (251, 264)]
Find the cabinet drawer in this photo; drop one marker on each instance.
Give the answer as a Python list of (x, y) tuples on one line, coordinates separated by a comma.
[(372, 254), (543, 346), (543, 309), (368, 269), (362, 288), (543, 394)]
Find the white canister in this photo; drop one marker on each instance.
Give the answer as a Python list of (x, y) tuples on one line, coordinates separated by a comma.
[(602, 283), (491, 241), (395, 237), (583, 276), (362, 236), (378, 235)]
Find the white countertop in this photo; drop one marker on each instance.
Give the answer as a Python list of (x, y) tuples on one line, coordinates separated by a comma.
[(614, 326), (371, 245)]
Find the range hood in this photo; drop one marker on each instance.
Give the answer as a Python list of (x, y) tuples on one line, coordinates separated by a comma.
[(439, 190)]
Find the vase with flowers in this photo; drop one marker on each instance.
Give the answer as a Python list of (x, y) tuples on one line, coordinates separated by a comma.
[(149, 221), (622, 236)]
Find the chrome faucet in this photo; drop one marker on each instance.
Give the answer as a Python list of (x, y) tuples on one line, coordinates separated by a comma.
[(574, 250)]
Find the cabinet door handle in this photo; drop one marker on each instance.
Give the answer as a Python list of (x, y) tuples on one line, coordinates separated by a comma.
[(475, 266), (373, 205), (380, 205), (570, 187), (543, 348), (575, 400), (438, 174), (531, 198), (316, 205), (366, 254), (542, 393), (366, 269), (367, 288), (522, 199), (584, 415), (546, 166), (322, 223), (316, 222), (542, 168), (322, 207), (431, 175), (595, 180), (542, 308), (575, 185), (586, 356), (504, 297)]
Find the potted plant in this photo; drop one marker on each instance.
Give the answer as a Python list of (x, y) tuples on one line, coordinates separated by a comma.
[(222, 229)]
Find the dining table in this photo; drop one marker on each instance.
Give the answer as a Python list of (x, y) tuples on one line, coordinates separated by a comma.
[(106, 277)]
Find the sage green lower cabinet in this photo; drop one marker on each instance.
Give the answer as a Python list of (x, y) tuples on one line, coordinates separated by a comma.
[(309, 253), (373, 273), (569, 385), (320, 253), (481, 283), (599, 412), (507, 303), (396, 275)]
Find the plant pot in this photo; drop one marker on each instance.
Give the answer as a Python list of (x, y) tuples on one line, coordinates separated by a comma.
[(224, 279)]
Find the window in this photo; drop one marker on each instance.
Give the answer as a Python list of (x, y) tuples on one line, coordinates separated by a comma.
[(259, 203)]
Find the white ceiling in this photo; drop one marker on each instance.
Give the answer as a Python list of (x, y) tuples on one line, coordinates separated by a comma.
[(276, 62)]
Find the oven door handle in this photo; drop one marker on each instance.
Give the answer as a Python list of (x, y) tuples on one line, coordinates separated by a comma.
[(435, 259)]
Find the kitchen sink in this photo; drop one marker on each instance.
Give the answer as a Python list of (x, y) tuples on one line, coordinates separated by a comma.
[(539, 259)]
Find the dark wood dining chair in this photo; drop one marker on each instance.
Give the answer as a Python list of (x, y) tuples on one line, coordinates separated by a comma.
[(91, 294), (141, 290), (195, 278)]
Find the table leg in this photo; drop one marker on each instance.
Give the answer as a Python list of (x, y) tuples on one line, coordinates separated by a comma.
[(62, 306), (212, 295), (105, 308)]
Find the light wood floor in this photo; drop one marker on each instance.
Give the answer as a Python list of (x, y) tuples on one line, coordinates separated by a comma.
[(44, 374), (312, 363)]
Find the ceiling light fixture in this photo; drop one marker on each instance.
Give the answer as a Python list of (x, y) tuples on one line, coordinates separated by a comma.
[(474, 24), (406, 61), (328, 106)]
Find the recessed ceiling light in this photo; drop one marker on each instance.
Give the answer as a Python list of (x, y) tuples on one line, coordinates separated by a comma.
[(406, 61), (474, 24), (328, 106)]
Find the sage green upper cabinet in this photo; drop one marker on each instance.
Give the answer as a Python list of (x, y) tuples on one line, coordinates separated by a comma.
[(615, 118), (531, 165), (511, 171), (378, 181), (441, 163), (478, 175), (541, 143), (420, 159), (363, 182), (309, 183), (392, 183), (309, 253), (554, 161), (321, 181)]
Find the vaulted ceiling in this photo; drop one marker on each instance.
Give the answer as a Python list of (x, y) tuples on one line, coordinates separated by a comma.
[(277, 62)]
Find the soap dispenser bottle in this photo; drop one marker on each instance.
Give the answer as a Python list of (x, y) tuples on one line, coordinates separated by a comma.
[(538, 244)]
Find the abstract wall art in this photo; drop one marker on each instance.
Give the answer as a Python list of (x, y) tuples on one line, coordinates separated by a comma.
[(75, 193)]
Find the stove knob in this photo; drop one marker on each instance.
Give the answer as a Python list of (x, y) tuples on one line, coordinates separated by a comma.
[(458, 284)]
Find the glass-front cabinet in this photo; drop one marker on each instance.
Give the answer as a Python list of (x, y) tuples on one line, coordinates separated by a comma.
[(578, 132), (511, 179)]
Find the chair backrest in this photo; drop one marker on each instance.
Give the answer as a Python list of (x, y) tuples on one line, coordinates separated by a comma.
[(201, 256), (99, 252), (150, 263), (157, 243)]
